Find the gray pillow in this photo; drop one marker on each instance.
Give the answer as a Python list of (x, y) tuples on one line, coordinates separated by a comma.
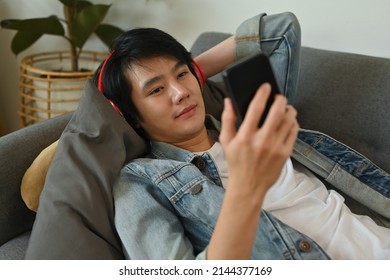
[(75, 216)]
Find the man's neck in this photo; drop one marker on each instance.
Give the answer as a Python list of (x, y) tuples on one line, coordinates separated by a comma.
[(201, 142)]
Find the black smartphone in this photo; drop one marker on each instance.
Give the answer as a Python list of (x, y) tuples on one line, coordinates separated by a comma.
[(242, 80)]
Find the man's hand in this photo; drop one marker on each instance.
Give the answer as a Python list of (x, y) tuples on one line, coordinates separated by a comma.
[(256, 155), (255, 159)]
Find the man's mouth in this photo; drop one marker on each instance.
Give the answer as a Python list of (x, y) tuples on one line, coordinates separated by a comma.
[(186, 112)]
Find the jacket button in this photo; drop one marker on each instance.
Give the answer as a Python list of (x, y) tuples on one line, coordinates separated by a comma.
[(196, 189), (305, 246), (199, 163)]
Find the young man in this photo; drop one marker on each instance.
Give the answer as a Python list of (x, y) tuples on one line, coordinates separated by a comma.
[(201, 190)]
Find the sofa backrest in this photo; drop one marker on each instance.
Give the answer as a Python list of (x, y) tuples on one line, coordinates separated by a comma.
[(347, 97)]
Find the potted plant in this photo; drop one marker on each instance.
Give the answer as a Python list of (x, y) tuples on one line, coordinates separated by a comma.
[(51, 83)]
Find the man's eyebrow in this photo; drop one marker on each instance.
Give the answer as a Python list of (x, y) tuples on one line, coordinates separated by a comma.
[(177, 65), (151, 81)]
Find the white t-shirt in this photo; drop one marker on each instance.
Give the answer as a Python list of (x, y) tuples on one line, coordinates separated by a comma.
[(302, 201)]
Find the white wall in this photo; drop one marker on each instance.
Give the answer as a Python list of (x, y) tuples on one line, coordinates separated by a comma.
[(343, 25)]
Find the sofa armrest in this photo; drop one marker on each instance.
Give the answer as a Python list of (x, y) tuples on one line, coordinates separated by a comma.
[(17, 151)]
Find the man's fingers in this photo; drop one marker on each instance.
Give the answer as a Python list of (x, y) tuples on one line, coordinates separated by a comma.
[(228, 130), (287, 128), (291, 138), (276, 113)]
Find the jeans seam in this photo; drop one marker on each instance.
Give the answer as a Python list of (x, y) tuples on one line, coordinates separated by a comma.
[(288, 47), (288, 64), (247, 38)]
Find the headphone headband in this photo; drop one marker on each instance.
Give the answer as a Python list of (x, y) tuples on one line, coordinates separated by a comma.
[(100, 79)]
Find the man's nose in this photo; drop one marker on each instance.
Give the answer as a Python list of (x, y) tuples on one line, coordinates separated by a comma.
[(179, 92)]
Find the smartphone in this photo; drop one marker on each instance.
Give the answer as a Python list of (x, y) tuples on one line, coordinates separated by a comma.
[(242, 80)]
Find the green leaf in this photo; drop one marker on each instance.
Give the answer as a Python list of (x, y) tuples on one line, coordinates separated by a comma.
[(86, 22), (82, 4), (22, 40), (50, 25), (69, 2), (107, 33), (79, 3), (7, 23)]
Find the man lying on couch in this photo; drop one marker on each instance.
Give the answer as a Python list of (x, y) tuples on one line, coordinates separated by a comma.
[(202, 190)]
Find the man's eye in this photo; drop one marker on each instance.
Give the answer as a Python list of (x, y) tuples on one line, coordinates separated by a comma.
[(183, 74), (155, 91)]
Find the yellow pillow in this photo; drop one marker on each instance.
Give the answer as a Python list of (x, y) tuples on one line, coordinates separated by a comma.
[(34, 178)]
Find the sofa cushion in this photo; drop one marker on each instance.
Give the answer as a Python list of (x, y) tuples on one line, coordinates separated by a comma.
[(15, 249), (75, 215)]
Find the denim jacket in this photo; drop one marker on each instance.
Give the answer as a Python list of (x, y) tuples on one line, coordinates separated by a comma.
[(174, 196)]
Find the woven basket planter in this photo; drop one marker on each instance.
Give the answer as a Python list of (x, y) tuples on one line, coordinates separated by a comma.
[(48, 88)]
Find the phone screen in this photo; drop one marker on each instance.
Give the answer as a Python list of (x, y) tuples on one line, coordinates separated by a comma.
[(243, 78)]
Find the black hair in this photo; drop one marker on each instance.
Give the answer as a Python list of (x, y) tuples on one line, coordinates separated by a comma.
[(127, 49)]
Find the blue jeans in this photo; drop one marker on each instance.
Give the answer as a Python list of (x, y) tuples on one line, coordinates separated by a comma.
[(278, 37), (346, 170)]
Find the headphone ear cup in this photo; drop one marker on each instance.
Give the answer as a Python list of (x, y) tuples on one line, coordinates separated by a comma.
[(199, 73)]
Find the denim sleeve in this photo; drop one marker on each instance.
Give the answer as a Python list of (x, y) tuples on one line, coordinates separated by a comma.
[(146, 222)]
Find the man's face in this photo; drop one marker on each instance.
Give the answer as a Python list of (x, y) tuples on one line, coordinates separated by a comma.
[(168, 99)]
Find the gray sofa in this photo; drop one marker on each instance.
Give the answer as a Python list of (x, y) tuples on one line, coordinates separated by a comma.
[(341, 94)]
